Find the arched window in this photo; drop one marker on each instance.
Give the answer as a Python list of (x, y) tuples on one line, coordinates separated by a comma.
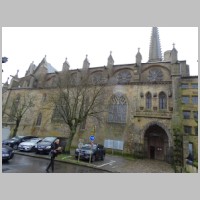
[(148, 100), (162, 101), (39, 119), (117, 109)]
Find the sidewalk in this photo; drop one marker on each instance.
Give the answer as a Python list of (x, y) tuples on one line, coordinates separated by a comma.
[(114, 163)]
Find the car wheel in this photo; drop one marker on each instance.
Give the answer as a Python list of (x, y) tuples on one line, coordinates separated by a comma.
[(15, 146)]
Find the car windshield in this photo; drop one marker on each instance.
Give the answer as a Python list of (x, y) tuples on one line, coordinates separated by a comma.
[(16, 137), (49, 139), (33, 140), (88, 146)]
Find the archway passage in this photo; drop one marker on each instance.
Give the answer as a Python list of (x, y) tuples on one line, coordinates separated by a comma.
[(156, 143)]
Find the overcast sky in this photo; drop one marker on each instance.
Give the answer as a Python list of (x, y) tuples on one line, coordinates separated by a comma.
[(22, 45)]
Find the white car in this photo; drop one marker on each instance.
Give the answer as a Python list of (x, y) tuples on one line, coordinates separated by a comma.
[(29, 145)]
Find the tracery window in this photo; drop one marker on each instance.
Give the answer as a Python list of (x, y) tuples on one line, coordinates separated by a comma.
[(97, 78), (155, 75), (124, 77), (57, 114), (148, 100), (162, 100), (117, 109)]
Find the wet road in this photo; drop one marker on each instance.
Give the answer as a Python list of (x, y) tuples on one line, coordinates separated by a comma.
[(26, 164)]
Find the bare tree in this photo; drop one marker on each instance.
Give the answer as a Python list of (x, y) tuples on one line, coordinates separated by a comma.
[(76, 99), (21, 104)]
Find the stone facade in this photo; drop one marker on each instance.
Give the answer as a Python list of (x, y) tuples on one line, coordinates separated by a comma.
[(142, 102)]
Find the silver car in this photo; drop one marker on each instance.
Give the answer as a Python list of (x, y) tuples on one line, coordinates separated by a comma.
[(29, 145)]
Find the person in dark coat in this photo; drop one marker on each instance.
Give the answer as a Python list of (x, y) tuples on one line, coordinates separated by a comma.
[(54, 152)]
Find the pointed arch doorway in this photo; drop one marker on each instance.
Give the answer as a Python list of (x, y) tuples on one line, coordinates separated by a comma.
[(156, 142)]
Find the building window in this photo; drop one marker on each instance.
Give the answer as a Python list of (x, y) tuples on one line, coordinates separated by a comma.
[(39, 119), (196, 130), (117, 109), (148, 100), (194, 85), (162, 100), (186, 114), (190, 157), (124, 77), (58, 114), (185, 99), (195, 100), (184, 85), (195, 114), (187, 129)]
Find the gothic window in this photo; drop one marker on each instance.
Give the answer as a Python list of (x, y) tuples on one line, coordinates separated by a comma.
[(155, 75), (97, 78), (117, 109), (39, 119), (148, 100), (56, 116), (162, 100), (124, 77)]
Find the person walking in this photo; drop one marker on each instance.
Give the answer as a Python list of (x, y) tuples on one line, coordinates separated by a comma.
[(53, 153)]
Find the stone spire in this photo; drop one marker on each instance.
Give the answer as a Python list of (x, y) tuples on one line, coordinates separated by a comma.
[(86, 63), (110, 60), (138, 58), (66, 65), (174, 55), (155, 48)]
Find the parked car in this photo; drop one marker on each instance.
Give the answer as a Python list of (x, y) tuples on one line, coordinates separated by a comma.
[(90, 151), (15, 141), (45, 145), (29, 145), (7, 153)]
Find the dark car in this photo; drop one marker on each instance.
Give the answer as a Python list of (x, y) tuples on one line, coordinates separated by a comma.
[(90, 151), (7, 153), (45, 145), (15, 141)]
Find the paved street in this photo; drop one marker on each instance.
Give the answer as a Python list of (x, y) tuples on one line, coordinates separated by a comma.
[(116, 164), (125, 165)]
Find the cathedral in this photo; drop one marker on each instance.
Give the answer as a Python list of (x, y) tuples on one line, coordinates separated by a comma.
[(149, 104)]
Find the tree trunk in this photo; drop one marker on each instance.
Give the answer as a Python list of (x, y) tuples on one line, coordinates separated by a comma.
[(69, 140), (16, 128)]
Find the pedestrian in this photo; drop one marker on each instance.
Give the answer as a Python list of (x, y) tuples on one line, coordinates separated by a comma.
[(53, 153)]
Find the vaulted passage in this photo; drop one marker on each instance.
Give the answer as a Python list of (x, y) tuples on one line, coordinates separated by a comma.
[(156, 143)]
